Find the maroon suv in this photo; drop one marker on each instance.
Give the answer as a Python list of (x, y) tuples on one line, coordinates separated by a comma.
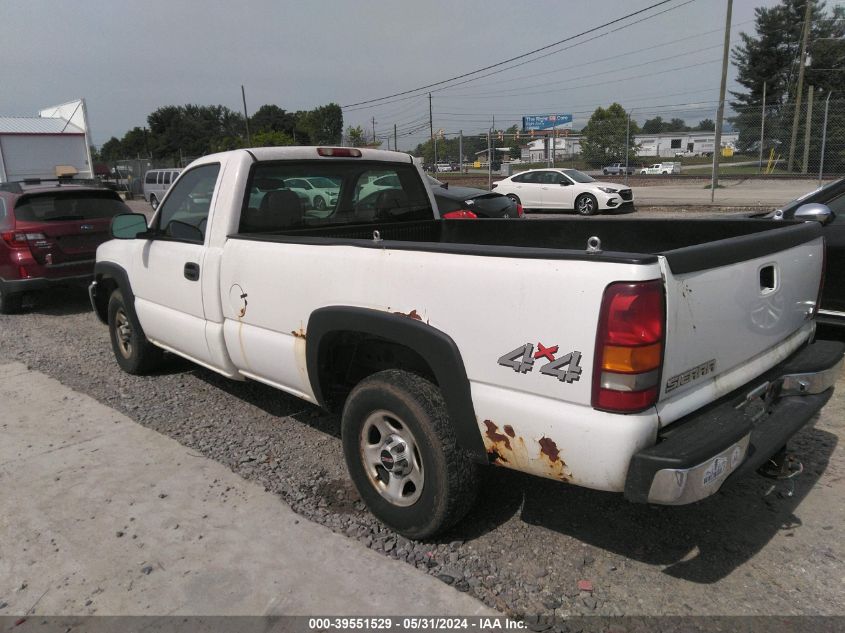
[(49, 234)]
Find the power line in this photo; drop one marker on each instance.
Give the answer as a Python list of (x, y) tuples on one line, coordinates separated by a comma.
[(512, 59), (604, 59)]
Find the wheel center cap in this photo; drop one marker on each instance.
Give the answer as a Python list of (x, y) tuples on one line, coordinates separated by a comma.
[(394, 456)]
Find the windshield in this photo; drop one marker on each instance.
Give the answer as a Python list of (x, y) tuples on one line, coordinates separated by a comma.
[(577, 176), (368, 192), (69, 205)]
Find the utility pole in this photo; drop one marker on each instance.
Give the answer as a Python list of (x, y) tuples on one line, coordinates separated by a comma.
[(489, 161), (395, 142), (461, 151), (762, 129), (808, 12), (430, 118), (808, 124), (720, 113), (824, 138), (374, 130), (246, 117)]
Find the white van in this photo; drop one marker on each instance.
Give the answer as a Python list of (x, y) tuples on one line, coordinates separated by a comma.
[(157, 182)]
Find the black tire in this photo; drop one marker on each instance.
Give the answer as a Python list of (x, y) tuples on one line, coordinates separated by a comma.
[(604, 171), (10, 303), (416, 407), (153, 202), (133, 352), (515, 198), (319, 203), (586, 204)]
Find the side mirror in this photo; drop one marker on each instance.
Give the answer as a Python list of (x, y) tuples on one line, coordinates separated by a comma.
[(814, 211), (128, 226)]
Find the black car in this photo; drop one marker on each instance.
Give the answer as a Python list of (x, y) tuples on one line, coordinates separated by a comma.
[(826, 205), (468, 202)]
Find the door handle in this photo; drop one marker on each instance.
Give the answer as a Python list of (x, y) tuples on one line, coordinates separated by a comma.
[(192, 271)]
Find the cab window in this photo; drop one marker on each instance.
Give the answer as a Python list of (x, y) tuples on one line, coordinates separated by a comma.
[(188, 203)]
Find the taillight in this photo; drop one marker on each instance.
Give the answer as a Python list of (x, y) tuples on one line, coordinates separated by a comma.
[(629, 347), (519, 211), (347, 152), (462, 214), (19, 239)]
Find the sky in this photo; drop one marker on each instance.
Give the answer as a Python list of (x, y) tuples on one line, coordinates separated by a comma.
[(128, 59)]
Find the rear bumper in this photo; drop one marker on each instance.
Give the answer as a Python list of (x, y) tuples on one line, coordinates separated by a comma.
[(18, 286), (695, 456)]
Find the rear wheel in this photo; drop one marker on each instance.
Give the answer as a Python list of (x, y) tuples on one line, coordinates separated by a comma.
[(133, 352), (402, 454), (515, 198), (153, 202), (586, 204), (10, 303)]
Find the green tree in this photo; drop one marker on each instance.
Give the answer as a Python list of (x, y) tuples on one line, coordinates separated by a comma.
[(272, 118), (111, 150), (653, 126), (771, 54), (676, 125), (356, 136), (324, 125), (603, 139), (269, 138), (705, 125)]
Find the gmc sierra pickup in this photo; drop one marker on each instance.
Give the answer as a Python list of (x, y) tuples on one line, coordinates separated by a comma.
[(648, 357)]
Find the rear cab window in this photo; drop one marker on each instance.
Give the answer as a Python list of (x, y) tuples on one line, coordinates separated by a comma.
[(301, 194), (68, 205)]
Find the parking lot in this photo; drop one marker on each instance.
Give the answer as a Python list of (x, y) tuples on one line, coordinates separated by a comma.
[(757, 547)]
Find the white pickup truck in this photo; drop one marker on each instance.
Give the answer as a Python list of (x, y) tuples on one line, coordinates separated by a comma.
[(661, 168), (648, 357)]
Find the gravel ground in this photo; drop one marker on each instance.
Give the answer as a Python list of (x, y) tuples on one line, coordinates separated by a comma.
[(530, 546)]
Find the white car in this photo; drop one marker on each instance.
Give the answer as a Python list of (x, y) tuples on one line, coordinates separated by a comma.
[(319, 192), (564, 189)]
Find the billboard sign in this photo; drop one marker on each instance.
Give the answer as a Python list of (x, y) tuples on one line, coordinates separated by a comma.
[(543, 122)]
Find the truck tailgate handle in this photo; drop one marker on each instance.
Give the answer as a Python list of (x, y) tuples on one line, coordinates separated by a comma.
[(192, 271)]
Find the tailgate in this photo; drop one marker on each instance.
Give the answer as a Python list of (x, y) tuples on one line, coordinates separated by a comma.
[(735, 308)]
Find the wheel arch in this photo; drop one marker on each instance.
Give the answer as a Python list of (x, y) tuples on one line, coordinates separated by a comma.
[(110, 277), (435, 348)]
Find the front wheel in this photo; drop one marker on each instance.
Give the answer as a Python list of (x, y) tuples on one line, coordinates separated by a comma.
[(402, 454), (133, 352), (586, 204), (319, 203)]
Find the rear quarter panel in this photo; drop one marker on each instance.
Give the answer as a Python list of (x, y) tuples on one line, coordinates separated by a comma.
[(490, 306)]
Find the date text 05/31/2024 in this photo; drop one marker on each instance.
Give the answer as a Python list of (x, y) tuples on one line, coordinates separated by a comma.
[(415, 623)]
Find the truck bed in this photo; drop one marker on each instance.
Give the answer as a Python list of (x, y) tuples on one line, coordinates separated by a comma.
[(687, 245)]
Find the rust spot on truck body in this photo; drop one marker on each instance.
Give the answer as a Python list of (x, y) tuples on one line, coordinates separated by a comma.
[(495, 436), (549, 449), (511, 450), (300, 333), (411, 315)]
